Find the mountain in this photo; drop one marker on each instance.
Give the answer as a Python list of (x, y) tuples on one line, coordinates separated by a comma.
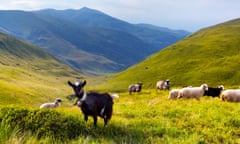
[(210, 56), (158, 37), (88, 48), (91, 50), (28, 74)]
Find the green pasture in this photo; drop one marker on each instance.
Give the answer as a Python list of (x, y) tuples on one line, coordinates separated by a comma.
[(146, 117), (30, 77)]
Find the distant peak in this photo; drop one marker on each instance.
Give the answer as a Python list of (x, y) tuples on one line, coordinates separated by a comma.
[(86, 9)]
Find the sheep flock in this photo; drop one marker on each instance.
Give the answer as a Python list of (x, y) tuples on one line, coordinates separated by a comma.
[(230, 95), (101, 104)]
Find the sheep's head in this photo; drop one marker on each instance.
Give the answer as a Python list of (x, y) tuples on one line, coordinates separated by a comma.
[(58, 101), (78, 87), (204, 87), (221, 87), (167, 81), (140, 84)]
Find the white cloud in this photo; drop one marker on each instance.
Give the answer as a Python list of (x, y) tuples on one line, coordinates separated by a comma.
[(184, 14), (20, 5)]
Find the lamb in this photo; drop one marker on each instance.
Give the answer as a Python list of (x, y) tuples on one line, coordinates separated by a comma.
[(214, 92), (92, 103), (173, 94), (231, 95), (163, 85), (135, 88), (193, 92), (55, 104)]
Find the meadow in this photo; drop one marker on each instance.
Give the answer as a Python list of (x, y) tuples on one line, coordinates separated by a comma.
[(29, 77), (146, 117)]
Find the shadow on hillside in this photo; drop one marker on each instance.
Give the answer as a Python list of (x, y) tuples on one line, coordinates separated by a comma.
[(116, 133), (53, 124)]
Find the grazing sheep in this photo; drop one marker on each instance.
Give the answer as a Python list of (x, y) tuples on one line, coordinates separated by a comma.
[(52, 105), (93, 104), (231, 95), (214, 92), (173, 94), (135, 88), (163, 85), (193, 92)]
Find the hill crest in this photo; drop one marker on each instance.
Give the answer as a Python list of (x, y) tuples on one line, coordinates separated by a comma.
[(29, 75), (209, 56)]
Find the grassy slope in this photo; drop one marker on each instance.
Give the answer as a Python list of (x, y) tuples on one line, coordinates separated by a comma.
[(29, 75), (149, 117), (208, 56)]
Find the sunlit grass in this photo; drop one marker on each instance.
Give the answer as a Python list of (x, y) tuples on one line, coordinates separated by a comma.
[(145, 117), (149, 117), (207, 56)]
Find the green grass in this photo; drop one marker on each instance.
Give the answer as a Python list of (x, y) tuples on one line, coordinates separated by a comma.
[(25, 85), (209, 56), (147, 117), (30, 76)]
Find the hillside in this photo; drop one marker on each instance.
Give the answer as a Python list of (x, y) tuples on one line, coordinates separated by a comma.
[(91, 49), (28, 74), (210, 56)]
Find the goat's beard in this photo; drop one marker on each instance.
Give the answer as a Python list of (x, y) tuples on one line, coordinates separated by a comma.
[(79, 94), (79, 103)]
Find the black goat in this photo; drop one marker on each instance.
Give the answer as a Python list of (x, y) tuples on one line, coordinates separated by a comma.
[(92, 103), (135, 88), (214, 92)]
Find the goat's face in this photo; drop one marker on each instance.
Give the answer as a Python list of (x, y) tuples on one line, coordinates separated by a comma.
[(77, 87)]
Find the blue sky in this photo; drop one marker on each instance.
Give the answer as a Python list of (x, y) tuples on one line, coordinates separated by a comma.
[(190, 15)]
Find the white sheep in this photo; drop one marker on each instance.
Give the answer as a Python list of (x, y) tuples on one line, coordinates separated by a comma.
[(52, 104), (163, 85), (231, 95), (173, 94), (193, 92)]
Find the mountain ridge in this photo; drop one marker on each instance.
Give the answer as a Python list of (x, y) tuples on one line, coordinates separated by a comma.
[(94, 18), (91, 49)]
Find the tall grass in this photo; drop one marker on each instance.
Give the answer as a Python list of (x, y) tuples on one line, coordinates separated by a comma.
[(146, 117)]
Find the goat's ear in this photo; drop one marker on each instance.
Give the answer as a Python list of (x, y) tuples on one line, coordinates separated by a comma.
[(84, 83), (69, 83)]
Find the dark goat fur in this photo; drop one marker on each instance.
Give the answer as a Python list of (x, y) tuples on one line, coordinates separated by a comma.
[(92, 103), (214, 92)]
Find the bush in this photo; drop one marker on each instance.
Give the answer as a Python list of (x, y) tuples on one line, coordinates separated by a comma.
[(42, 123)]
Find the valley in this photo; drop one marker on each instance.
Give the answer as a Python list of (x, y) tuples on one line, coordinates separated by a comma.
[(30, 76)]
